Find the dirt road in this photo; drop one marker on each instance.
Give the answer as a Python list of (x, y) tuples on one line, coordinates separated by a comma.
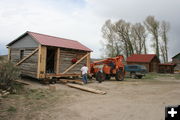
[(125, 100)]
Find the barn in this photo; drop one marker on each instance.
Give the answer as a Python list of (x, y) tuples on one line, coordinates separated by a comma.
[(176, 60), (42, 56), (150, 61)]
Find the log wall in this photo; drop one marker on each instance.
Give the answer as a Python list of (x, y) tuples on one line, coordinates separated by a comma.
[(29, 66), (66, 56)]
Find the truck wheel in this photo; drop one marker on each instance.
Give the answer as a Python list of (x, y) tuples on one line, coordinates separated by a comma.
[(119, 75), (100, 77)]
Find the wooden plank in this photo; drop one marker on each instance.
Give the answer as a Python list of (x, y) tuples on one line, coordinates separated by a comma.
[(58, 61), (62, 75), (23, 82), (75, 63), (88, 63), (21, 61), (86, 88), (41, 62), (9, 54)]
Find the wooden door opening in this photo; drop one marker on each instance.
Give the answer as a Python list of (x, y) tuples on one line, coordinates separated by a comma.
[(50, 60)]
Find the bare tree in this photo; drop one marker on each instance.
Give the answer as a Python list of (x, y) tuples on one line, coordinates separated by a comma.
[(122, 29), (163, 53), (164, 45), (112, 46), (138, 34), (152, 26)]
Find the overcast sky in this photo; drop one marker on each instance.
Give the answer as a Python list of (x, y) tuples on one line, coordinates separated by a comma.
[(82, 19)]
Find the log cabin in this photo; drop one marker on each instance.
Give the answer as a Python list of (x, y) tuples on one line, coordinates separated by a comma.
[(43, 56)]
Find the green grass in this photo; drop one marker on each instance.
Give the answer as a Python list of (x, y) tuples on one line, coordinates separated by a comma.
[(177, 76), (151, 76)]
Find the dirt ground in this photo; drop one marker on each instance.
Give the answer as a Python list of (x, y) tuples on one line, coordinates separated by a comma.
[(131, 99)]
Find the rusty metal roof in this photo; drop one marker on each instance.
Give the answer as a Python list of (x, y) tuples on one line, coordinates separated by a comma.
[(146, 58), (48, 40)]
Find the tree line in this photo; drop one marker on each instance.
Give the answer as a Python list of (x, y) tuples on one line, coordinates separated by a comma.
[(122, 37)]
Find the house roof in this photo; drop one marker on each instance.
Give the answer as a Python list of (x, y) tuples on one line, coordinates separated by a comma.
[(146, 58), (48, 40), (176, 55)]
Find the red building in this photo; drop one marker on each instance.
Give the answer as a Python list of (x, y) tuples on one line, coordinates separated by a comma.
[(150, 61), (166, 68)]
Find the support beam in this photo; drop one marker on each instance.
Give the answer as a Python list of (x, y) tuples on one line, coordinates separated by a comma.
[(58, 61), (9, 54), (75, 63), (88, 63), (21, 61), (41, 71)]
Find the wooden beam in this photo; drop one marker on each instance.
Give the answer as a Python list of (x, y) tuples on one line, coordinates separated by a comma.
[(21, 61), (86, 88), (62, 75), (9, 54), (58, 61), (22, 82), (41, 71), (88, 63), (75, 63)]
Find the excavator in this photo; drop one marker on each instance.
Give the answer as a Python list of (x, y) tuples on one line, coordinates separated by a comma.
[(107, 68)]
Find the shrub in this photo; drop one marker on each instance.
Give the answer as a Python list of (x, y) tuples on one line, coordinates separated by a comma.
[(8, 73)]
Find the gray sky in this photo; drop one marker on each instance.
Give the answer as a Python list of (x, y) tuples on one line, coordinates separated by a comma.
[(82, 19)]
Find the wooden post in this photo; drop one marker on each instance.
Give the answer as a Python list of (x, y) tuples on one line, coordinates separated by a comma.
[(9, 54), (88, 63), (42, 61), (58, 61)]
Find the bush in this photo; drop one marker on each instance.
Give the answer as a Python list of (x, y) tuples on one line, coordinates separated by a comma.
[(8, 73)]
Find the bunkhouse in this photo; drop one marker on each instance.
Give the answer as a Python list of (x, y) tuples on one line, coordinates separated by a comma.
[(150, 61), (43, 56)]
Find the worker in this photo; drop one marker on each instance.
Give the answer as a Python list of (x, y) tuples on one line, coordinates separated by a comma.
[(84, 71)]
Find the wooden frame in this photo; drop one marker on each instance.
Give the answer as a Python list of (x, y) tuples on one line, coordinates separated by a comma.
[(41, 71), (41, 64), (76, 63), (58, 61)]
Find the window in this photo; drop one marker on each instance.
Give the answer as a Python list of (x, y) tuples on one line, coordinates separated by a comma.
[(21, 54)]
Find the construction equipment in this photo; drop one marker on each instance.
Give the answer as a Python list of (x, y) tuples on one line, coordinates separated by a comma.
[(107, 68)]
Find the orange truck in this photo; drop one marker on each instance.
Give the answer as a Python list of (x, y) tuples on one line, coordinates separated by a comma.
[(107, 68)]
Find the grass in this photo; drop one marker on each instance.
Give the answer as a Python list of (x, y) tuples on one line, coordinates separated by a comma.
[(11, 109), (33, 101), (177, 76), (151, 76)]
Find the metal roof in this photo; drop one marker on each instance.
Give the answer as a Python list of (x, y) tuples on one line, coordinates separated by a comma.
[(48, 40), (146, 58), (176, 55)]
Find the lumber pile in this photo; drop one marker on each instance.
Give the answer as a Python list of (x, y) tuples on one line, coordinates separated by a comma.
[(86, 88)]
